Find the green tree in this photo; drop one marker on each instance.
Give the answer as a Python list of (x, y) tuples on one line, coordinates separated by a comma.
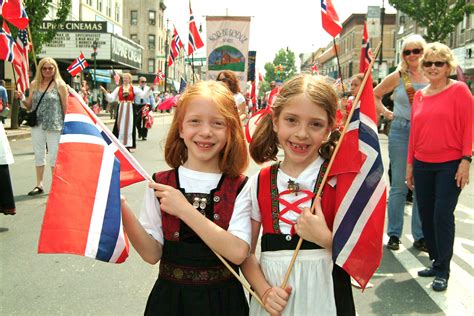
[(439, 17), (285, 58)]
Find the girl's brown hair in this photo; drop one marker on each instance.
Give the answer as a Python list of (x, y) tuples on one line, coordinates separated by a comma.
[(234, 158), (264, 144)]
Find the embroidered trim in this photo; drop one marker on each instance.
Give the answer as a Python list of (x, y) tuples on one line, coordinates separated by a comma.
[(274, 192), (193, 275)]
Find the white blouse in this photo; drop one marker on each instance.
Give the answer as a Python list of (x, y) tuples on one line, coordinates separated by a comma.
[(196, 182)]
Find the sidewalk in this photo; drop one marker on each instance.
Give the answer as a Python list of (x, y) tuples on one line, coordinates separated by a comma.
[(24, 131)]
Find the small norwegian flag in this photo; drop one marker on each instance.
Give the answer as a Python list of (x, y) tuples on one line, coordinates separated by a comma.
[(78, 65), (159, 77)]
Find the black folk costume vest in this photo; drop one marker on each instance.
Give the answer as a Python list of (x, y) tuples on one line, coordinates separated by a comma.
[(186, 258)]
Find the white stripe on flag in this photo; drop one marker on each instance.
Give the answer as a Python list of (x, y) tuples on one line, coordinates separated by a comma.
[(102, 194), (73, 117), (86, 139), (120, 246), (369, 122)]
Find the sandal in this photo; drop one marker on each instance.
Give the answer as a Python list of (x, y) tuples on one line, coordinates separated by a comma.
[(36, 191)]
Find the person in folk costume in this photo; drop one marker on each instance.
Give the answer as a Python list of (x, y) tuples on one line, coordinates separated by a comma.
[(124, 126), (189, 210), (143, 107), (301, 121)]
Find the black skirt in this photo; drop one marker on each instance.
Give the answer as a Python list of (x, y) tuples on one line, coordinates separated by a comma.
[(7, 201), (193, 281)]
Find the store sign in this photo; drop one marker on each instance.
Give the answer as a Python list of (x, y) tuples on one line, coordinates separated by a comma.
[(76, 26), (126, 52), (66, 45)]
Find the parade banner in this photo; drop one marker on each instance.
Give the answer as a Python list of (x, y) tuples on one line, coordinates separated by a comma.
[(227, 46)]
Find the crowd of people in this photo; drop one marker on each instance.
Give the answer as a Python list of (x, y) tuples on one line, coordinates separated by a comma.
[(205, 203)]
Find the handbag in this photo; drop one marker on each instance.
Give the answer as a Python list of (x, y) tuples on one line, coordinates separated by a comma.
[(32, 117)]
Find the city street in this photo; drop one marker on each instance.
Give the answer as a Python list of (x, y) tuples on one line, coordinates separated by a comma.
[(34, 284)]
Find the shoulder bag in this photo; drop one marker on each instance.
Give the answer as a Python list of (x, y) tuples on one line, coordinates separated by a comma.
[(31, 117)]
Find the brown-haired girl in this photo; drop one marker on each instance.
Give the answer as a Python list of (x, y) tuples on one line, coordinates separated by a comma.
[(279, 197), (189, 210)]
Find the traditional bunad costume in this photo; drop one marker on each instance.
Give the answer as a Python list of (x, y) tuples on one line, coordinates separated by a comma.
[(192, 280), (124, 126), (276, 199)]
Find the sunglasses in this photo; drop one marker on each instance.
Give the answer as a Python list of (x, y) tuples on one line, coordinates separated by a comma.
[(142, 81), (438, 64), (47, 68), (414, 51)]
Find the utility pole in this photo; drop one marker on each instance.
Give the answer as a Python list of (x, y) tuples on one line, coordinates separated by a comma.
[(382, 18), (166, 56)]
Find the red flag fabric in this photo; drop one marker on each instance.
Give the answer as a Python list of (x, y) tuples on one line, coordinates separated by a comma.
[(195, 41), (365, 52), (116, 78), (8, 49), (175, 46), (14, 12), (314, 69), (23, 67), (83, 212), (330, 18), (78, 65), (360, 194), (159, 77)]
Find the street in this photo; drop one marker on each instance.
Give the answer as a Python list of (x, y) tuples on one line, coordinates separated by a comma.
[(33, 284)]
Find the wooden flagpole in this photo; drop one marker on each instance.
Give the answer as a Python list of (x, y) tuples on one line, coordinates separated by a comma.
[(338, 64), (313, 207)]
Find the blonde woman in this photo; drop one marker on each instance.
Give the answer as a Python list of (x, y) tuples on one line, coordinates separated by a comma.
[(404, 82), (48, 96), (439, 156)]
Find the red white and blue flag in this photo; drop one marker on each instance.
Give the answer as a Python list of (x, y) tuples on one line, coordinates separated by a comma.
[(78, 65), (159, 77), (83, 212), (14, 12), (330, 19), (366, 52), (8, 49), (360, 194), (175, 46), (195, 41), (23, 67)]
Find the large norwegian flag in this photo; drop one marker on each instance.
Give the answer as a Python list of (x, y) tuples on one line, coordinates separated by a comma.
[(23, 67), (361, 194), (14, 12), (79, 64), (83, 212), (195, 41), (175, 46), (330, 19), (365, 52)]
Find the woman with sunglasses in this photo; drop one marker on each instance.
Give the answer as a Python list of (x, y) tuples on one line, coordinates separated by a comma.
[(439, 156), (48, 96), (404, 82)]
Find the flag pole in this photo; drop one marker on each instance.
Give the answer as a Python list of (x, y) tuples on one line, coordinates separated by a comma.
[(338, 64), (323, 182)]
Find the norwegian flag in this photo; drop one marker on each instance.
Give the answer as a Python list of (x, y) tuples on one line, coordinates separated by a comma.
[(195, 41), (175, 46), (23, 67), (8, 48), (78, 65), (83, 212), (330, 18), (314, 69), (116, 78), (360, 194), (14, 12), (159, 77), (365, 52)]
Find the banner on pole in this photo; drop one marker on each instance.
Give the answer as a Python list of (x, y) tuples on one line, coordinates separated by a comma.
[(227, 46)]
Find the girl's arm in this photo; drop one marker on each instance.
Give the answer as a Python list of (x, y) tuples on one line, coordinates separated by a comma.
[(147, 247), (173, 202), (274, 298), (387, 85), (63, 95)]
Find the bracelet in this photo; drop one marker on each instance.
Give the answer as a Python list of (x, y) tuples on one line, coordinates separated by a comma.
[(265, 293), (468, 158)]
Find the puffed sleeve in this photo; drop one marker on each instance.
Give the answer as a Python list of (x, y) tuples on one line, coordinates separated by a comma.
[(113, 96), (150, 215)]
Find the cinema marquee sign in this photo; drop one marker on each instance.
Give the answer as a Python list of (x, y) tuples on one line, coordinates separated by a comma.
[(78, 36)]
